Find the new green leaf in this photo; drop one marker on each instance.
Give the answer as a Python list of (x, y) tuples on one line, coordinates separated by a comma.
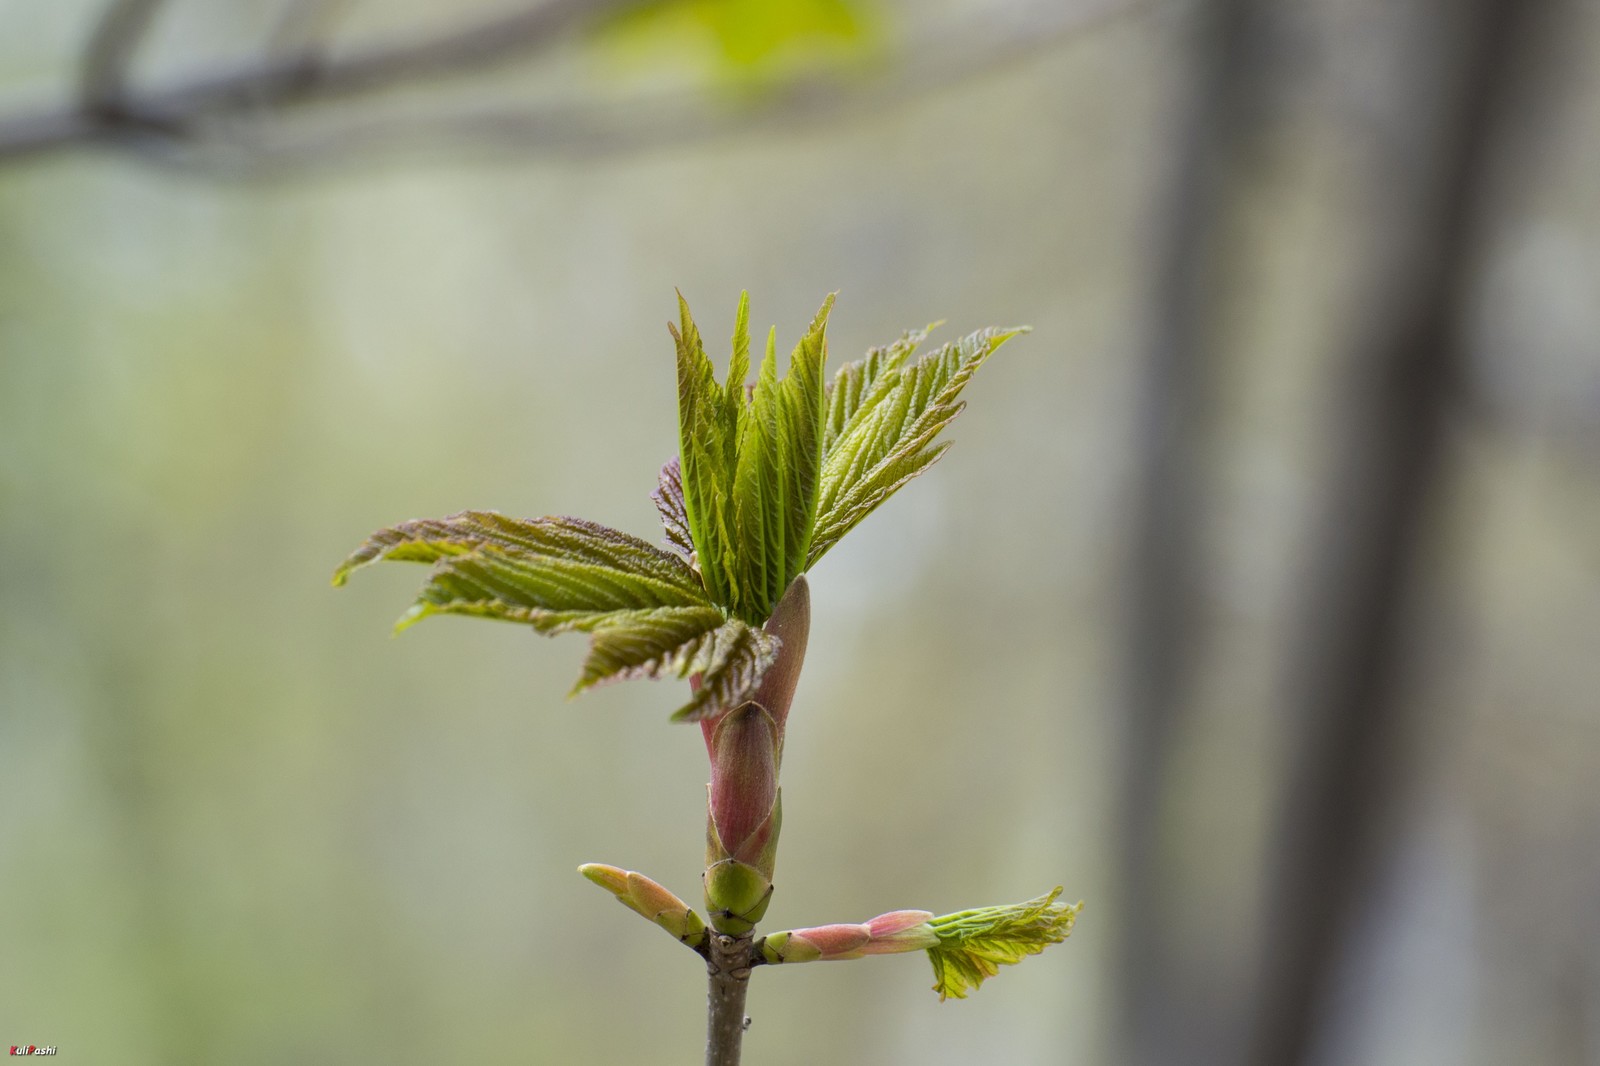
[(883, 417), (550, 593), (750, 462), (708, 435), (974, 944), (775, 482), (573, 540), (646, 608)]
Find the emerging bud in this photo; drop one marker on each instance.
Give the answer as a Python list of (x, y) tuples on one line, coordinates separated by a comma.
[(887, 934), (643, 896), (900, 931)]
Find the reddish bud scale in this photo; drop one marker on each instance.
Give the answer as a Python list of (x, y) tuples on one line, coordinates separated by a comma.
[(744, 779), (887, 934), (745, 745)]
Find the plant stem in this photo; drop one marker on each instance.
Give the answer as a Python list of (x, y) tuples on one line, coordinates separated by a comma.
[(728, 964)]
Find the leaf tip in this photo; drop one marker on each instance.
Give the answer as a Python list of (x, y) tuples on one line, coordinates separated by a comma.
[(414, 614)]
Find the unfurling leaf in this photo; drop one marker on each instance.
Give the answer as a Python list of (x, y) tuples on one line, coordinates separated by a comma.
[(861, 382), (708, 435), (730, 666), (663, 642), (668, 498), (974, 944), (573, 540), (550, 593), (883, 417), (775, 482), (647, 609), (749, 464)]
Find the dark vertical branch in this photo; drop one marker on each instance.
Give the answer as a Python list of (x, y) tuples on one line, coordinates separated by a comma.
[(1187, 281), (1345, 683)]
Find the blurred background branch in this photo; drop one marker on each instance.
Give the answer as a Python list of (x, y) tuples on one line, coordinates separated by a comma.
[(1167, 1014), (1349, 683), (242, 117)]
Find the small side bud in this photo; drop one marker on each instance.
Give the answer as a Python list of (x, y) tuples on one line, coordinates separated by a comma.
[(785, 947), (887, 934), (645, 897)]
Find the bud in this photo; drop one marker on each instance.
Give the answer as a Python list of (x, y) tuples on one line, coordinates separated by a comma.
[(643, 896), (737, 895), (744, 780), (887, 934), (745, 808)]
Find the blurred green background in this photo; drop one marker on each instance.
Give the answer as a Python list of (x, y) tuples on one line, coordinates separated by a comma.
[(241, 824)]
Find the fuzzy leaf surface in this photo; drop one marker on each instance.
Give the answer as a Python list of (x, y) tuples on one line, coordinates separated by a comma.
[(550, 573), (550, 593), (427, 540), (663, 642)]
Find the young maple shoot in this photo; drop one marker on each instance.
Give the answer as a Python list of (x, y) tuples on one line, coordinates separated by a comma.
[(768, 478)]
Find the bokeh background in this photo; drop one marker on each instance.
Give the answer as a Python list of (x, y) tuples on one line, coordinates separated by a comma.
[(240, 824)]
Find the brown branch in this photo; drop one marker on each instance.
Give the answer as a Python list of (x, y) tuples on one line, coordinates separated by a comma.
[(276, 81)]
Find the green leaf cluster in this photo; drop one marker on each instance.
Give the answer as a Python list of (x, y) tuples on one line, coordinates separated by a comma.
[(749, 461), (974, 944), (768, 478)]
